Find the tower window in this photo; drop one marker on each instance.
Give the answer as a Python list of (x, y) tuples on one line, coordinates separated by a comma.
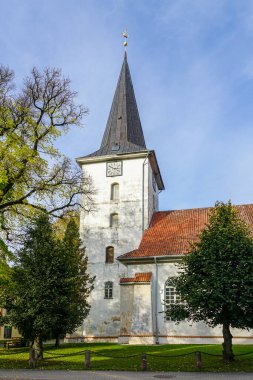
[(114, 220), (108, 289), (171, 295), (114, 192), (109, 255)]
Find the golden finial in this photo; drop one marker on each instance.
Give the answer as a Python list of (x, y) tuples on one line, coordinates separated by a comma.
[(125, 35)]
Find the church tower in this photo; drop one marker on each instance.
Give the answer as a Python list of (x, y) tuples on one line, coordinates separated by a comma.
[(127, 182)]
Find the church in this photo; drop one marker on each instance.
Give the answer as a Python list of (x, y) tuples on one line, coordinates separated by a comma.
[(133, 248)]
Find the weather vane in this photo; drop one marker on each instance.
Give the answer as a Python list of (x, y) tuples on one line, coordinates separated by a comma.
[(125, 35)]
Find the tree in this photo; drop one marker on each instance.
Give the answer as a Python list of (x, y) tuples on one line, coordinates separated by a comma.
[(60, 225), (51, 285), (5, 271), (216, 277), (33, 174), (35, 277), (78, 284)]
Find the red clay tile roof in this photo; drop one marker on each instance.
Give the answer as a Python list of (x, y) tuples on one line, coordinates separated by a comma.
[(171, 231), (138, 277)]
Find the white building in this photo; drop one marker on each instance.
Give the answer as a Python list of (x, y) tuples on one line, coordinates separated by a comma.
[(133, 248)]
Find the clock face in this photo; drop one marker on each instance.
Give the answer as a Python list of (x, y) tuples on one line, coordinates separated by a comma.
[(113, 168)]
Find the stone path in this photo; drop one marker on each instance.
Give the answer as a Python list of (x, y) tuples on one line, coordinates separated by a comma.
[(113, 375)]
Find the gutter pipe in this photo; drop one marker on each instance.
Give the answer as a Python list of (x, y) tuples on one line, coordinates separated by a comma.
[(143, 189), (156, 304)]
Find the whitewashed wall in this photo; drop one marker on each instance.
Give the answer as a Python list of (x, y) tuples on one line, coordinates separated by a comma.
[(104, 317), (183, 332)]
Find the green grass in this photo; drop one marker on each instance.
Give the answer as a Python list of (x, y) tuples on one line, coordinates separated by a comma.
[(106, 356)]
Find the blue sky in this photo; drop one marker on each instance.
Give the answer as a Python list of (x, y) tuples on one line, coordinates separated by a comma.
[(192, 67)]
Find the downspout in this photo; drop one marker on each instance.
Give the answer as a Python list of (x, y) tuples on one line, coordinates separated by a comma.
[(143, 189), (156, 304)]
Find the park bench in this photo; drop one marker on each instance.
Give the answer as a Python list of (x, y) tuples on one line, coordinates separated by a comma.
[(15, 342)]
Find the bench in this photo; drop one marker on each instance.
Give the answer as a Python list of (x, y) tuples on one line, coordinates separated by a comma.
[(15, 342)]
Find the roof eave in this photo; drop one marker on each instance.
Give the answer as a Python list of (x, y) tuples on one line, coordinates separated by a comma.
[(135, 283), (91, 160), (156, 170), (150, 259)]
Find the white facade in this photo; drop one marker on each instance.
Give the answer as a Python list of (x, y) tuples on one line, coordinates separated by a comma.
[(137, 199), (150, 298)]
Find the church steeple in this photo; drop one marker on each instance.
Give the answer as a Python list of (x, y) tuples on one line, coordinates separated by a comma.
[(123, 132)]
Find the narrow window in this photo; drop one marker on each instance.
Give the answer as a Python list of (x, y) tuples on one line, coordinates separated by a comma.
[(7, 332), (114, 220), (114, 192), (108, 289), (109, 255), (171, 295)]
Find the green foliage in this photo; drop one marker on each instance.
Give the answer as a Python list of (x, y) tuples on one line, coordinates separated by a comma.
[(5, 271), (76, 283), (33, 173), (60, 224), (216, 279), (35, 277), (50, 282)]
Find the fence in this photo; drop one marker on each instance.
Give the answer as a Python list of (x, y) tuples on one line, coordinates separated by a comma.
[(143, 358)]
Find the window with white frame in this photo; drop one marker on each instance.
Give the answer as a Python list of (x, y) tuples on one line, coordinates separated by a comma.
[(115, 192), (171, 296), (108, 289)]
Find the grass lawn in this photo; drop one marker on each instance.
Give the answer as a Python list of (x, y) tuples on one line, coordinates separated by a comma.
[(106, 356)]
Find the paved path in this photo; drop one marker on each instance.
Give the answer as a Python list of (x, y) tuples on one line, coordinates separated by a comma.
[(112, 375)]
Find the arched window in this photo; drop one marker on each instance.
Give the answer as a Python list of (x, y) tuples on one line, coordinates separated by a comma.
[(114, 192), (114, 220), (171, 296), (109, 254), (108, 289)]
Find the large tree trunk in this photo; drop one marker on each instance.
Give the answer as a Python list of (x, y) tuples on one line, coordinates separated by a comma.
[(38, 346), (228, 355), (57, 341)]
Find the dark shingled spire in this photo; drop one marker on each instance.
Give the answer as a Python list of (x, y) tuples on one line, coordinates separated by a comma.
[(123, 132)]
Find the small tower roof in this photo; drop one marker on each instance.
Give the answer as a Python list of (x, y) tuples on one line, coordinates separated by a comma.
[(123, 132)]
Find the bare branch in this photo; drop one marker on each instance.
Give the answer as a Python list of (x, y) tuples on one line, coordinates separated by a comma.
[(30, 121)]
